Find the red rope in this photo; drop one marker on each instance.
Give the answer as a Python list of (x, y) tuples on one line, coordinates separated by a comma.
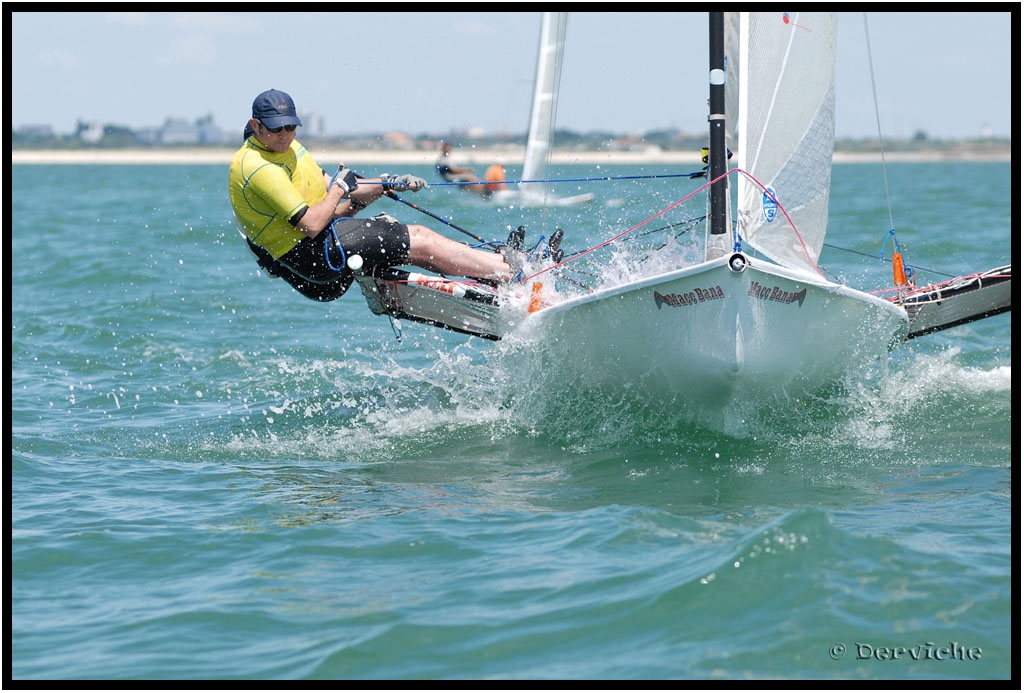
[(803, 246), (580, 254), (615, 238)]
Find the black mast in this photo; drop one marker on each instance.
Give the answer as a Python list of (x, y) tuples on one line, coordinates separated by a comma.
[(716, 119)]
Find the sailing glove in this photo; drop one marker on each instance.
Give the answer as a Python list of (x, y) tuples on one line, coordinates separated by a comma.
[(404, 182), (345, 178)]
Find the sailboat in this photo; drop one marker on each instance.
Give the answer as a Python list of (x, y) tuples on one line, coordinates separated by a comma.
[(532, 191), (757, 318), (753, 318)]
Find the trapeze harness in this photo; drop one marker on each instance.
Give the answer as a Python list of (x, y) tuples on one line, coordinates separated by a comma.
[(270, 192)]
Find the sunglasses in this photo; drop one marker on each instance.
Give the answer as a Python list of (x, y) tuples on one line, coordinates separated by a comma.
[(288, 128)]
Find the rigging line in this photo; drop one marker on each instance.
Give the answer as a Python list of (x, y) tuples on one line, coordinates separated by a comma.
[(886, 259), (611, 240), (562, 180), (878, 122), (575, 282), (394, 196), (803, 246), (561, 22), (690, 224)]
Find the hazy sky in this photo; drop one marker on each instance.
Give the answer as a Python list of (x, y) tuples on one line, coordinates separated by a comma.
[(948, 74)]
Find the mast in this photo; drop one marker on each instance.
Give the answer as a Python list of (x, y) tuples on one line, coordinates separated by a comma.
[(716, 120)]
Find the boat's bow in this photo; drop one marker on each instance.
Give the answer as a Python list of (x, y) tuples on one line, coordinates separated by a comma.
[(735, 328)]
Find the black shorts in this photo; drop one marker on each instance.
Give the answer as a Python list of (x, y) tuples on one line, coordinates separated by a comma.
[(318, 267)]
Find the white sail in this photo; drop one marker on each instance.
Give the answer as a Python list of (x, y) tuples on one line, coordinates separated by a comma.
[(545, 102), (781, 86)]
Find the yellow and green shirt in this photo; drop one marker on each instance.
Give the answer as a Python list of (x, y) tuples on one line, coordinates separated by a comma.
[(267, 189)]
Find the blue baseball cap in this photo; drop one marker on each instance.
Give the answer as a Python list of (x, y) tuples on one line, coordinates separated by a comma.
[(274, 108)]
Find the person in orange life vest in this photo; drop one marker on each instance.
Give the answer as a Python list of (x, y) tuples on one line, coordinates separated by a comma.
[(460, 174)]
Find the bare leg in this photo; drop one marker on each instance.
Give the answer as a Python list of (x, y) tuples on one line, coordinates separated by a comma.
[(480, 190), (432, 251)]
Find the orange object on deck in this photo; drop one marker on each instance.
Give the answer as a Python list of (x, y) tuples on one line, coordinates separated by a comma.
[(899, 275), (535, 302)]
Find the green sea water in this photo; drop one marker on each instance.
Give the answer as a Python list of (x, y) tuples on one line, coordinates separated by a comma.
[(214, 478)]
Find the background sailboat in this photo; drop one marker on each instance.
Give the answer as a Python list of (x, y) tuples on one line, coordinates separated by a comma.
[(541, 131)]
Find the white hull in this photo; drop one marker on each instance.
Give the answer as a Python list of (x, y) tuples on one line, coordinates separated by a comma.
[(520, 198), (709, 335), (733, 332)]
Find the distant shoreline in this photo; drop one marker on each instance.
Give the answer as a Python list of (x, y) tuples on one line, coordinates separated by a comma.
[(476, 157)]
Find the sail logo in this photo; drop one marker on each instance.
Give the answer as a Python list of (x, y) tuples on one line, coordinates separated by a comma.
[(769, 205), (774, 293), (690, 298)]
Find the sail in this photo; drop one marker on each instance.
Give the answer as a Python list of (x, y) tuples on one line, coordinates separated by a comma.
[(781, 87), (545, 101)]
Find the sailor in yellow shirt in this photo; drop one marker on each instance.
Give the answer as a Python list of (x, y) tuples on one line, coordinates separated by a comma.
[(298, 219)]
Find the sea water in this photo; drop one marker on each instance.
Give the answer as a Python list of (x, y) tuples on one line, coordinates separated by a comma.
[(214, 478)]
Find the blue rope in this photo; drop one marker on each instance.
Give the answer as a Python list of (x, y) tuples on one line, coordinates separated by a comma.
[(332, 234), (563, 180), (891, 234), (908, 271)]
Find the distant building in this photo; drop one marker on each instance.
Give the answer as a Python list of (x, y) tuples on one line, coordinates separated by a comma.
[(36, 132), (91, 132), (148, 136), (177, 131), (396, 140), (211, 134), (313, 124)]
